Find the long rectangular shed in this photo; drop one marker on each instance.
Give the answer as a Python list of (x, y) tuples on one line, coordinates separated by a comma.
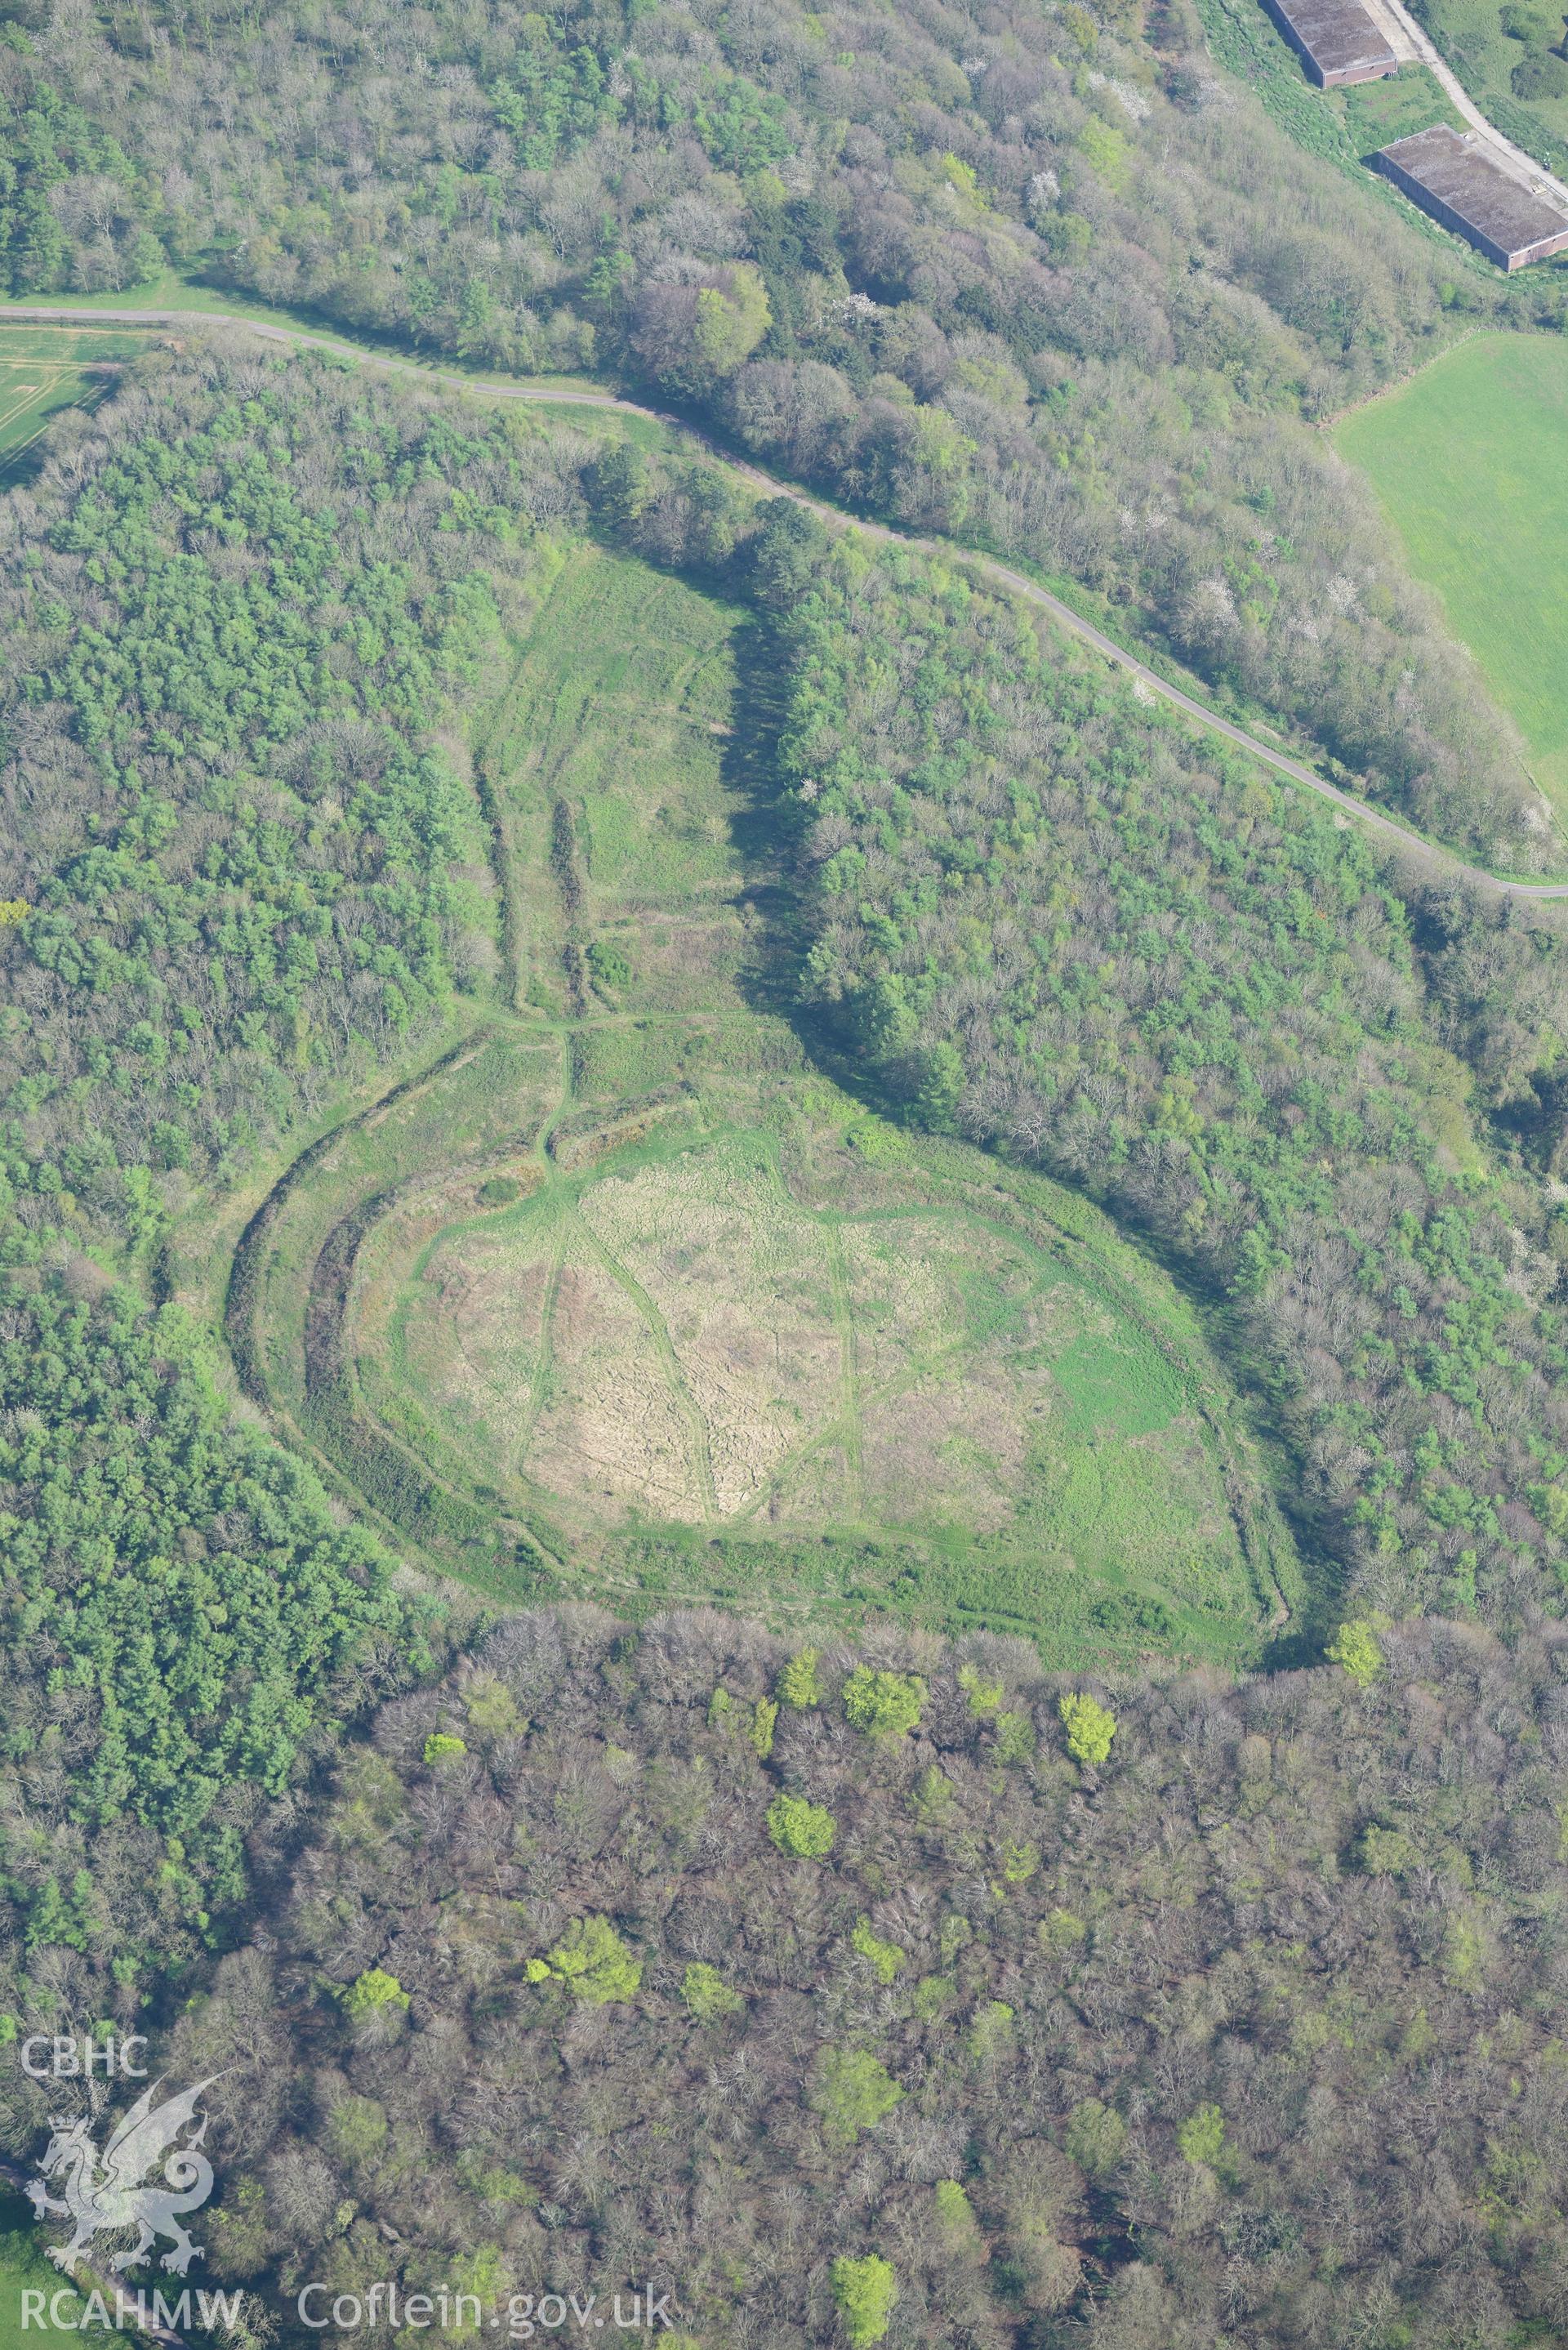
[(1455, 177), (1336, 40)]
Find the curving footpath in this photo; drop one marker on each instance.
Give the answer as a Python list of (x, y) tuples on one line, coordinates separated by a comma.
[(1444, 863)]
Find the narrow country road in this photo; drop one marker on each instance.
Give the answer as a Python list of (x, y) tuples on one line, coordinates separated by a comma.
[(1437, 861)]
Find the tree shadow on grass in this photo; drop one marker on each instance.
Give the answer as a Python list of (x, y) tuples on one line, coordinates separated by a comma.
[(770, 975)]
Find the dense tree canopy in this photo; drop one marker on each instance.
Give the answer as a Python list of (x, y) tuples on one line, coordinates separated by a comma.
[(1248, 2033), (183, 1623), (239, 865), (1044, 277), (1042, 912)]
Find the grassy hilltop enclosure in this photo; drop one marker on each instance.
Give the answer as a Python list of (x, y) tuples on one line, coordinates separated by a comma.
[(715, 1347), (620, 1298), (751, 1356), (1468, 462)]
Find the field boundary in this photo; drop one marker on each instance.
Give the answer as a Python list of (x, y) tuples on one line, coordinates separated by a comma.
[(1403, 382)]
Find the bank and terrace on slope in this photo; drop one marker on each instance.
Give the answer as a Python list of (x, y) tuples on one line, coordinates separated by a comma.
[(624, 1300)]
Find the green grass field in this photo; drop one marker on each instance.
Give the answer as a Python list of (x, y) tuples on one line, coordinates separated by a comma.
[(1467, 460), (1376, 112), (44, 370), (615, 769), (622, 1300), (23, 2268)]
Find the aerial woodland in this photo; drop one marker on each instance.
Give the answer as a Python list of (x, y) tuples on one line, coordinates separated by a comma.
[(847, 1984)]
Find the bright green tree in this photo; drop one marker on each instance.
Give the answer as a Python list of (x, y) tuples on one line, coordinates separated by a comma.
[(593, 1962), (805, 1830), (885, 1958), (864, 2291), (852, 2091), (798, 1683), (1097, 2137), (1201, 2137), (732, 319), (956, 2222), (884, 1705), (984, 1697), (1355, 1647), (372, 1990), (708, 1998), (491, 1707), (1090, 1728)]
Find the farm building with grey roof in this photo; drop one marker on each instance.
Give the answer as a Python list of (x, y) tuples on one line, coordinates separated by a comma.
[(1457, 178), (1336, 40)]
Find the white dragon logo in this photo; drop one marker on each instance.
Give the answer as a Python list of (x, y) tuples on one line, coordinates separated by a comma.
[(111, 2196)]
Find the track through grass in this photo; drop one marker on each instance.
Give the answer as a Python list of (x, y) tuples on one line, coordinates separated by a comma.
[(45, 369)]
